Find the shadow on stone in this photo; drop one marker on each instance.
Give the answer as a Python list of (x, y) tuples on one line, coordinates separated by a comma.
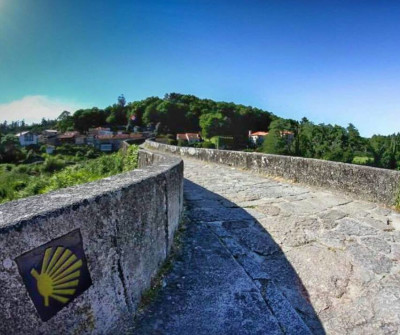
[(230, 277)]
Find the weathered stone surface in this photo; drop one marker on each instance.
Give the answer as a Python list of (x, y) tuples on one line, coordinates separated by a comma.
[(289, 319), (207, 293), (362, 182), (334, 259), (350, 227), (126, 223)]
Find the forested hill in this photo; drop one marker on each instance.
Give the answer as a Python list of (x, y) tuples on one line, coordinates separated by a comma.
[(175, 113)]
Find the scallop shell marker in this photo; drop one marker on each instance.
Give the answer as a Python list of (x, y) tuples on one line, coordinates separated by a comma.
[(59, 275)]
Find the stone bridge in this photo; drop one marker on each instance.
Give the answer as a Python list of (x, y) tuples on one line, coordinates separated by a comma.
[(267, 245), (264, 255)]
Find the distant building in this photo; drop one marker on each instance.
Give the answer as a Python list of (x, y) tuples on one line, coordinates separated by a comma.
[(288, 134), (49, 136), (72, 137), (257, 138), (100, 131), (27, 138), (114, 142), (93, 133), (189, 137)]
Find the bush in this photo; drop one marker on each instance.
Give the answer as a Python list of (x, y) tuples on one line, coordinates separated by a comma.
[(182, 143), (26, 180), (207, 145), (171, 141), (10, 184), (22, 169), (8, 167), (92, 153), (52, 164), (363, 160)]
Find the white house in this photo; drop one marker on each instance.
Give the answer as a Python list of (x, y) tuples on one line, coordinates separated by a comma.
[(257, 137), (27, 138)]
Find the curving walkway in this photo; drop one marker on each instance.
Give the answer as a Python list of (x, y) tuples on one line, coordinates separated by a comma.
[(263, 256)]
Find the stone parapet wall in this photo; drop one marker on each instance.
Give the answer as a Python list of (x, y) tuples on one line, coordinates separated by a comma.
[(362, 182), (126, 223)]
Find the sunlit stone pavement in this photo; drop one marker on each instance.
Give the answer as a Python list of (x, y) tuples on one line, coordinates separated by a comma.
[(265, 256)]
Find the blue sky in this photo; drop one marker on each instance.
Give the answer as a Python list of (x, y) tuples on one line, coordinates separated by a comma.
[(331, 61)]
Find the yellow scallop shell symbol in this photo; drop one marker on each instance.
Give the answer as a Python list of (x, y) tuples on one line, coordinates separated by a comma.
[(59, 275)]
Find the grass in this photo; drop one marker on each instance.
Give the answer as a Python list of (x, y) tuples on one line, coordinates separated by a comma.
[(362, 160), (397, 201), (54, 173)]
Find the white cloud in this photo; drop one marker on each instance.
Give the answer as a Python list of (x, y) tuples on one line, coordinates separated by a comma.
[(35, 107)]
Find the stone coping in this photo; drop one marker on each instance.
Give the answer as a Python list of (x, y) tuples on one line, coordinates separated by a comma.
[(14, 214), (120, 228), (362, 182)]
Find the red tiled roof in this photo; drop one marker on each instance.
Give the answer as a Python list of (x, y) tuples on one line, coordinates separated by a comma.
[(137, 136), (259, 133), (120, 136), (193, 136), (69, 134), (188, 136)]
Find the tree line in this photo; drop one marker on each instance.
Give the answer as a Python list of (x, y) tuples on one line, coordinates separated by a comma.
[(332, 142), (176, 113)]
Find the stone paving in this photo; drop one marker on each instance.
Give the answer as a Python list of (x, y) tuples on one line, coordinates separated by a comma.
[(264, 256)]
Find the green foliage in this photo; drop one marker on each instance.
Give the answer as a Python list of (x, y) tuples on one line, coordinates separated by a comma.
[(10, 149), (10, 183), (65, 122), (171, 141), (52, 164), (73, 150), (363, 160), (275, 144), (223, 142), (176, 113), (213, 124), (289, 137), (84, 119), (182, 143), (26, 180), (207, 145)]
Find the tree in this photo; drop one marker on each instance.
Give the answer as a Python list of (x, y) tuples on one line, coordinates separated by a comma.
[(88, 118), (117, 115), (121, 100), (213, 124), (65, 121), (10, 149), (281, 138), (151, 113)]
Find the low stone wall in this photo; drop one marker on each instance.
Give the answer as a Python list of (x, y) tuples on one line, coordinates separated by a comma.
[(362, 182), (126, 223)]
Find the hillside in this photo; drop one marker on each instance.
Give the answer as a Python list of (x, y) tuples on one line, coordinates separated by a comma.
[(180, 113)]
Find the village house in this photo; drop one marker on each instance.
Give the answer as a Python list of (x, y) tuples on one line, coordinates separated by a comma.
[(72, 137), (190, 138), (289, 135), (257, 138), (114, 142), (93, 133), (27, 138), (49, 136)]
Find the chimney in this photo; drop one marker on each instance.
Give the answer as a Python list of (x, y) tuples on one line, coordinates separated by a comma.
[(249, 132)]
